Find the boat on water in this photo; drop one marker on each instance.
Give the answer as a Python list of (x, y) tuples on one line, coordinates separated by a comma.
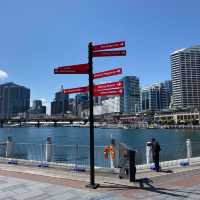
[(125, 127)]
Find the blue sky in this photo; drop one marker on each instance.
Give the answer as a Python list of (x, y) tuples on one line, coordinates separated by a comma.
[(38, 35)]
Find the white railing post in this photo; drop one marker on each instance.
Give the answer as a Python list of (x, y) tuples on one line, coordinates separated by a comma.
[(114, 149), (148, 153), (48, 150), (9, 147), (189, 149)]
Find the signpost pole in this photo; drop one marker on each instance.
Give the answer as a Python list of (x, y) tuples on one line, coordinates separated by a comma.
[(92, 171)]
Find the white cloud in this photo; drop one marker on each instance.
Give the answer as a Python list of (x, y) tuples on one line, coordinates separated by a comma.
[(3, 75)]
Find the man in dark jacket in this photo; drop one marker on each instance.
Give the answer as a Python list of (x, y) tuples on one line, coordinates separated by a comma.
[(155, 153)]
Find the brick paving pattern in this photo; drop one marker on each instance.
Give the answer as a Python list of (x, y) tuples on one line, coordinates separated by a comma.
[(15, 185)]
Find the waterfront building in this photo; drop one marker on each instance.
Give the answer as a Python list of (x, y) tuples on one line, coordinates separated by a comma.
[(130, 100), (60, 104), (14, 99), (168, 88), (71, 107), (156, 97), (108, 106), (37, 110), (185, 71), (111, 105), (177, 118), (81, 103)]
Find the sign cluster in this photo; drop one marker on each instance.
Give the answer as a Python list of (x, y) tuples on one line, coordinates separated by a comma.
[(106, 89)]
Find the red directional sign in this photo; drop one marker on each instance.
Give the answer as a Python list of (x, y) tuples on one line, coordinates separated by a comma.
[(105, 86), (108, 46), (73, 69), (112, 92), (112, 72), (109, 53), (76, 90), (97, 88)]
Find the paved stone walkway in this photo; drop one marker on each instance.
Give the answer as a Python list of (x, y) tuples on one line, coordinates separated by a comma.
[(173, 186)]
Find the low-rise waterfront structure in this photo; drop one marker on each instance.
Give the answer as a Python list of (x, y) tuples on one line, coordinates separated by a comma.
[(176, 118)]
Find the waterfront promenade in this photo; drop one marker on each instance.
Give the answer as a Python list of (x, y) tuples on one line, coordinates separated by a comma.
[(26, 182)]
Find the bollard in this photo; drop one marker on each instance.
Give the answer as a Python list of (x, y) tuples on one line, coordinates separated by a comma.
[(148, 153), (189, 149), (9, 147), (48, 150)]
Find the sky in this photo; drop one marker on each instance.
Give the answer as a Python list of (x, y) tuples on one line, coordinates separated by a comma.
[(38, 35)]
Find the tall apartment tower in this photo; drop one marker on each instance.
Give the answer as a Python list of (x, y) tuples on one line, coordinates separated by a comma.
[(130, 100), (185, 71), (14, 99), (156, 97)]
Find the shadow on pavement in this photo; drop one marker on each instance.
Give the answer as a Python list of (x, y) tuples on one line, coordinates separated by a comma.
[(166, 171), (146, 185)]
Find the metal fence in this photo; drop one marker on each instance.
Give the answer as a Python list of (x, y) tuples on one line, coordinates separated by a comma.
[(77, 156)]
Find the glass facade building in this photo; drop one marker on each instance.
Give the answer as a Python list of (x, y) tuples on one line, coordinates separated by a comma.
[(130, 100), (14, 99), (185, 72), (81, 103), (156, 97)]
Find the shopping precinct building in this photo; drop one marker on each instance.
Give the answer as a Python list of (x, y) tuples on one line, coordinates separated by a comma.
[(176, 118)]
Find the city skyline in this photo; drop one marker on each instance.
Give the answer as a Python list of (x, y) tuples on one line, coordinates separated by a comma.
[(33, 44)]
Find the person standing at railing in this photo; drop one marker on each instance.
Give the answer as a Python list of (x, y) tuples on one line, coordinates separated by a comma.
[(155, 147), (124, 164)]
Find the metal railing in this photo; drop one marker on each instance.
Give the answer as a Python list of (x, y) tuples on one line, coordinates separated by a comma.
[(77, 156)]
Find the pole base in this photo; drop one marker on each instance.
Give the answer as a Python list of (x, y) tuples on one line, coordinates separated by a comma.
[(92, 186)]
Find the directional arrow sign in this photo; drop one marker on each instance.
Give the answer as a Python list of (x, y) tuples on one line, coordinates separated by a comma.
[(73, 69), (76, 90), (113, 92), (106, 86), (108, 46), (107, 73), (97, 88), (109, 53)]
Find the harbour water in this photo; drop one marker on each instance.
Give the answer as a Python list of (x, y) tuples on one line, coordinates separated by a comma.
[(172, 141)]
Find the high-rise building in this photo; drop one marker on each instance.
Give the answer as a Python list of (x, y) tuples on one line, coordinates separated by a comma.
[(14, 99), (156, 97), (185, 71), (168, 88), (37, 109), (130, 100), (71, 107), (60, 104), (81, 103)]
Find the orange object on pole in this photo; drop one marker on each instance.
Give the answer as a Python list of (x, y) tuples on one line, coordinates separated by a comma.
[(106, 151), (112, 153)]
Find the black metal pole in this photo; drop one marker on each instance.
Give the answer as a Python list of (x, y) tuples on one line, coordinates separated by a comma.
[(92, 171)]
